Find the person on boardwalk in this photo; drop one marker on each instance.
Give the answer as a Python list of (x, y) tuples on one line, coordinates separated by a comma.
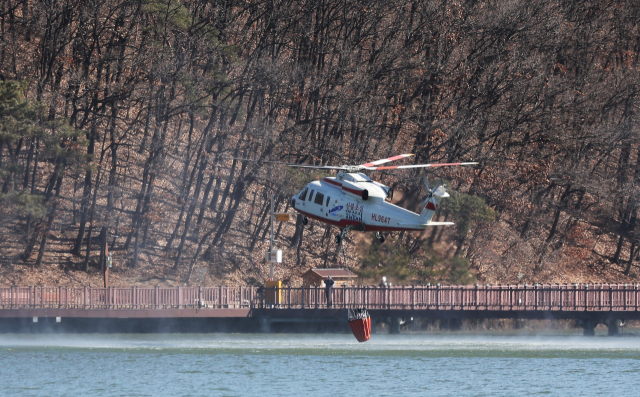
[(328, 290)]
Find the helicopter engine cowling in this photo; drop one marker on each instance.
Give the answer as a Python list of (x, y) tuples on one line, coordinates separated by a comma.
[(354, 190)]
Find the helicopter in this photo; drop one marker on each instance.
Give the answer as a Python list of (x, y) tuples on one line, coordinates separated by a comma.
[(352, 201)]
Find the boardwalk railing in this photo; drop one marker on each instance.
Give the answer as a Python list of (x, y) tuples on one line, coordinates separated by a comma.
[(547, 297), (126, 298)]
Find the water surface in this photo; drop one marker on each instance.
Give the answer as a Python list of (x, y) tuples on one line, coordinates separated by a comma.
[(300, 365)]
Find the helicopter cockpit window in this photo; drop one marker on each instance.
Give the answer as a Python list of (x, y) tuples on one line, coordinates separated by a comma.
[(303, 195), (311, 195), (319, 198)]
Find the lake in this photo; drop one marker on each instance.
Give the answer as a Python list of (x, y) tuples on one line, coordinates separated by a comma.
[(320, 365)]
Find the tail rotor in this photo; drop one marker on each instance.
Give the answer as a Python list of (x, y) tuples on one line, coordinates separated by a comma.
[(429, 191)]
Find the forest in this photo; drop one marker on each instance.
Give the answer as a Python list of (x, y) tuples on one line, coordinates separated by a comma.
[(119, 119)]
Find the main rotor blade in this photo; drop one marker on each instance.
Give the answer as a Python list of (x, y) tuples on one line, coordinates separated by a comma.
[(318, 167), (255, 161), (378, 162), (397, 167), (321, 167)]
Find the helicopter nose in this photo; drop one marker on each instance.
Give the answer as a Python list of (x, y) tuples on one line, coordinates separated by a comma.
[(293, 202)]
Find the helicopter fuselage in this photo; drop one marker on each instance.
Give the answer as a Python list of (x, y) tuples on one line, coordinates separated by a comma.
[(353, 200)]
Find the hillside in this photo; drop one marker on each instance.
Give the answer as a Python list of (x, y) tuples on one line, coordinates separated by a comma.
[(119, 119)]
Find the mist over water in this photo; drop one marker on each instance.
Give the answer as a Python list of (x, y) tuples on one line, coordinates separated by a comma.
[(294, 365)]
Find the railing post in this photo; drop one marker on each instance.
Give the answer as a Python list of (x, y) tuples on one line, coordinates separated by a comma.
[(404, 297), (316, 287), (600, 298), (586, 297), (241, 297), (302, 292), (157, 297), (365, 295), (289, 298), (413, 297), (610, 297), (376, 296), (560, 295), (486, 296), (511, 295), (453, 296)]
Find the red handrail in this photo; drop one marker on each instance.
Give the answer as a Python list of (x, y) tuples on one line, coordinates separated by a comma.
[(538, 297)]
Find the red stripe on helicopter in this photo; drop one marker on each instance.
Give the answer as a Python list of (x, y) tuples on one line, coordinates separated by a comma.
[(370, 228), (346, 189), (354, 191), (342, 223), (332, 182), (430, 206)]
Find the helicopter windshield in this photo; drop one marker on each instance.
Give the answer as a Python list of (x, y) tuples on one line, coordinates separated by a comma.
[(303, 194)]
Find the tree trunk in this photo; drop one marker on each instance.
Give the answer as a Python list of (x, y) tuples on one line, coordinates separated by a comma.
[(52, 215), (86, 194), (616, 256), (631, 256)]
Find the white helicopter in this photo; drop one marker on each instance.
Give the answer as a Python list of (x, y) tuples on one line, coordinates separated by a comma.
[(352, 201)]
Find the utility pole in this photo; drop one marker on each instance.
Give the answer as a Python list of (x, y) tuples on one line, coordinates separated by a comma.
[(271, 240), (107, 261)]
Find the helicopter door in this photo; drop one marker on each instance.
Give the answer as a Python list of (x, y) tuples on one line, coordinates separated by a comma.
[(319, 200)]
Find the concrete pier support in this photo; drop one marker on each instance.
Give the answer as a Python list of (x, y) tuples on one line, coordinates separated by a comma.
[(589, 327), (265, 324), (614, 326), (394, 325)]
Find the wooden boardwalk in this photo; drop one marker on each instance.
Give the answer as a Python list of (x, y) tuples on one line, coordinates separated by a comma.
[(589, 303), (580, 298)]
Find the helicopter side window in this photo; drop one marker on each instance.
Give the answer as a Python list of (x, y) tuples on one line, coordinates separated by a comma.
[(303, 195), (319, 198), (328, 200), (311, 195)]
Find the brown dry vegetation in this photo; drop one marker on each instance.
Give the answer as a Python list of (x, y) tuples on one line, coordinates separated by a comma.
[(544, 95)]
